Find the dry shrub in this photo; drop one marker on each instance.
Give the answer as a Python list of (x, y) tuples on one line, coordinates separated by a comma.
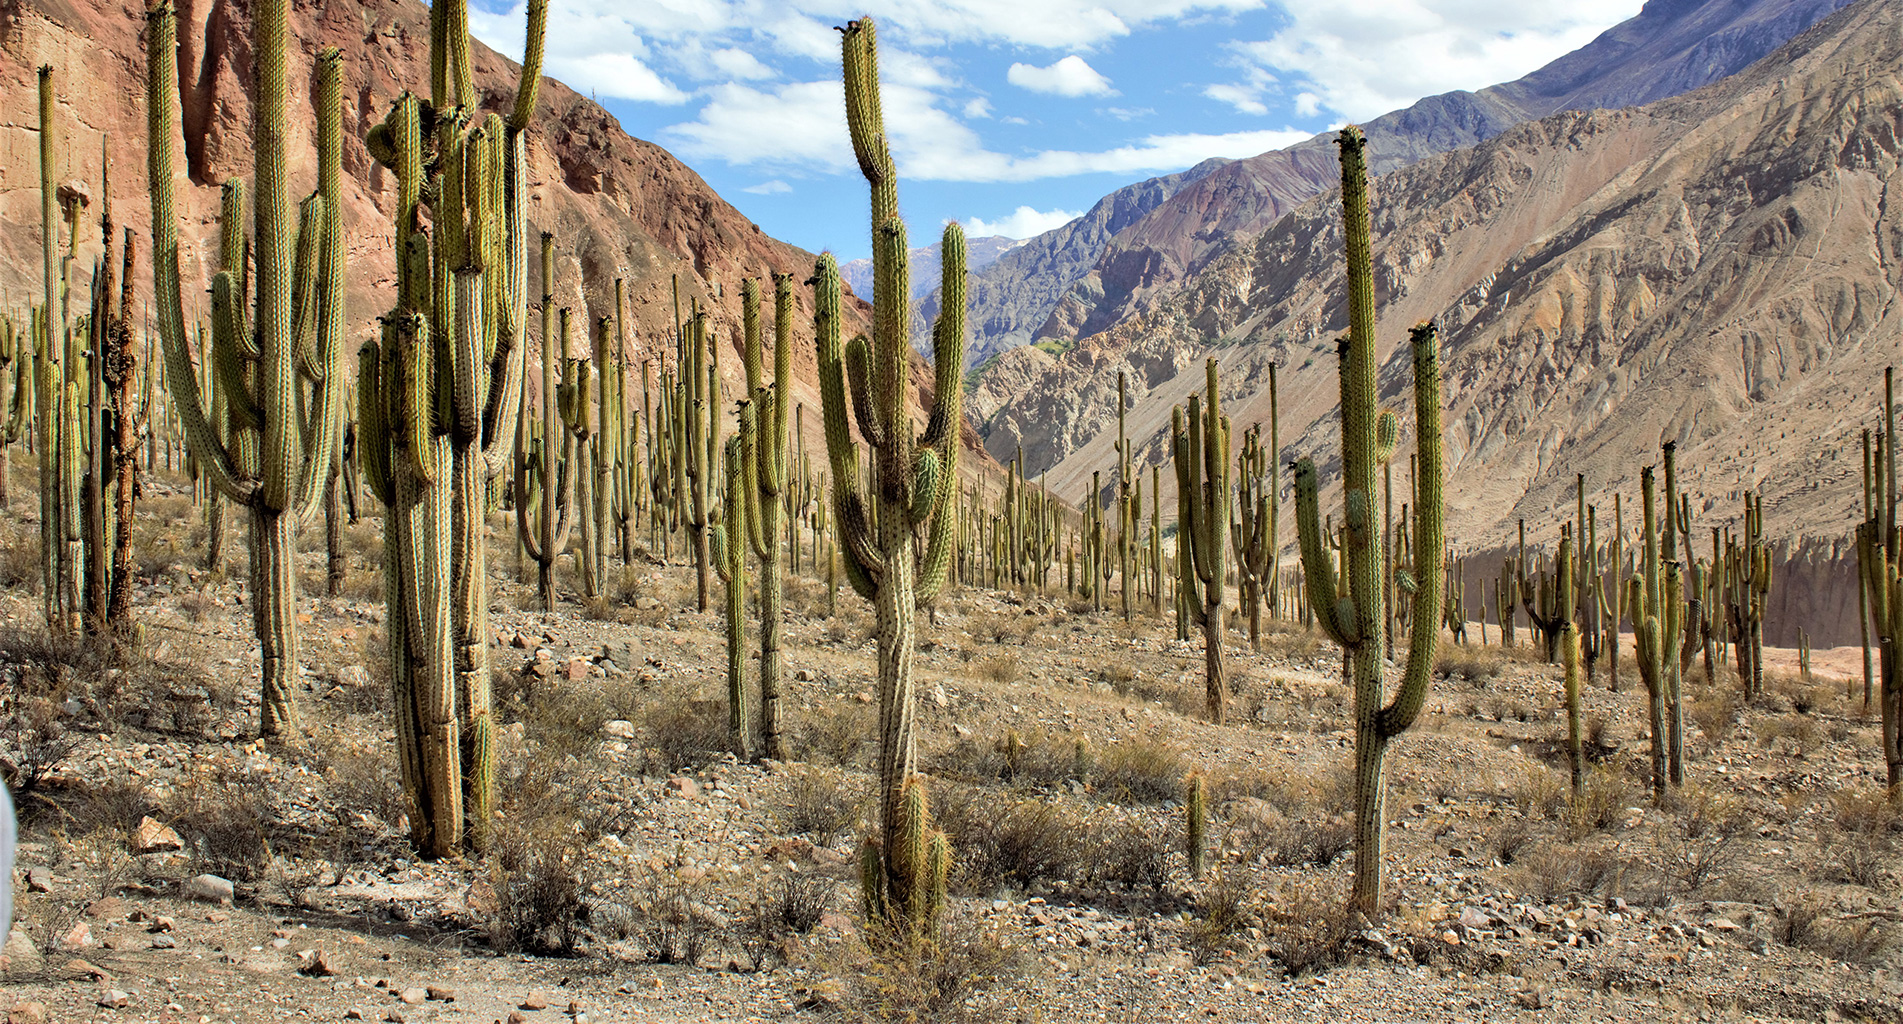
[(1130, 855), (1037, 761), (20, 561), (1600, 803), (1477, 664), (940, 976), (1857, 858), (1540, 792), (1705, 839), (536, 856), (1222, 913), (673, 919), (1804, 922), (819, 804), (226, 818), (1147, 771), (1307, 926), (1266, 835), (836, 733), (1868, 810), (1800, 731), (791, 904), (1715, 712), (999, 668), (1001, 841), (1551, 871)]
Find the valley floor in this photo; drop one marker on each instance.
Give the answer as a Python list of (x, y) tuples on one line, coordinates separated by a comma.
[(637, 874)]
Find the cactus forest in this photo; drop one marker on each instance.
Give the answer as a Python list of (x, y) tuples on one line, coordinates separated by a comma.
[(650, 623)]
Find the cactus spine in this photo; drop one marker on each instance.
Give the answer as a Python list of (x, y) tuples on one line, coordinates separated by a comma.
[(277, 467), (1354, 619), (1201, 446), (438, 398), (912, 479)]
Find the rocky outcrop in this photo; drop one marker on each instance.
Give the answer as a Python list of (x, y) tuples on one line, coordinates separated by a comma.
[(1669, 48)]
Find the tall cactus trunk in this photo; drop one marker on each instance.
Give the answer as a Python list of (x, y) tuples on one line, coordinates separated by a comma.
[(274, 614)]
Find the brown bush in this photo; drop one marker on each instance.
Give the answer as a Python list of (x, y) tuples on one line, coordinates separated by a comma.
[(1306, 925)]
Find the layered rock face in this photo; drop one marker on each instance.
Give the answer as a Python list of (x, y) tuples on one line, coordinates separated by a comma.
[(1717, 269)]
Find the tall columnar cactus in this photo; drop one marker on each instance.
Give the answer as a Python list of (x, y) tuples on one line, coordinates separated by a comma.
[(763, 434), (1569, 658), (913, 477), (1654, 597), (1127, 490), (1253, 532), (1201, 447), (438, 400), (283, 355), (544, 475), (1880, 545), (57, 435), (1747, 574), (1354, 619), (697, 440), (730, 564)]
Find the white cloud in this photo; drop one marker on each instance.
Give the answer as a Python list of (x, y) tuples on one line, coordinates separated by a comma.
[(593, 52), (978, 108), (1024, 222), (1071, 76), (1246, 95), (802, 125), (615, 74), (733, 62), (1363, 58), (769, 188)]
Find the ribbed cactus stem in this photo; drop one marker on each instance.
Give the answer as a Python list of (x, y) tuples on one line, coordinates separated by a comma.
[(912, 481), (1195, 823), (1354, 615)]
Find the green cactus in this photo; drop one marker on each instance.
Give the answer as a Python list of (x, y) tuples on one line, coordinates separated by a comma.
[(1354, 619), (544, 482), (912, 479), (1880, 550), (730, 564), (1253, 533), (1196, 824), (289, 384), (1201, 449), (764, 448), (1569, 658), (1747, 572), (438, 402), (1655, 598)]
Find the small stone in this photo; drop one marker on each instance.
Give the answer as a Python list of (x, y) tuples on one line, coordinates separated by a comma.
[(413, 996), (114, 999), (32, 1012), (518, 1017), (535, 1001), (39, 880), (162, 941), (353, 677), (319, 965), (440, 994), (619, 728), (576, 669), (685, 786), (1474, 917), (210, 887), (804, 675), (155, 836), (575, 1007), (162, 924), (78, 937), (353, 1014)]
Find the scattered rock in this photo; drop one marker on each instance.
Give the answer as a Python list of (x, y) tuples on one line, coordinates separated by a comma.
[(535, 1001), (413, 996), (154, 837), (114, 999), (685, 786), (318, 965), (30, 1012), (440, 994), (210, 887), (163, 942), (39, 879), (353, 677), (619, 728)]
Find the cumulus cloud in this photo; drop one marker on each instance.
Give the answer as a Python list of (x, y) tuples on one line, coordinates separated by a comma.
[(1363, 58), (1024, 222), (769, 188), (978, 108), (801, 125), (1072, 76)]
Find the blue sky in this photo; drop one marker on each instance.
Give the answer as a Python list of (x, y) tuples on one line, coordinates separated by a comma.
[(1016, 115)]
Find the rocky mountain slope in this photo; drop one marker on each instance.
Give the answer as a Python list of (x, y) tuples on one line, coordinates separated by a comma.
[(1008, 300), (1670, 47), (1718, 269), (923, 261), (619, 207)]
